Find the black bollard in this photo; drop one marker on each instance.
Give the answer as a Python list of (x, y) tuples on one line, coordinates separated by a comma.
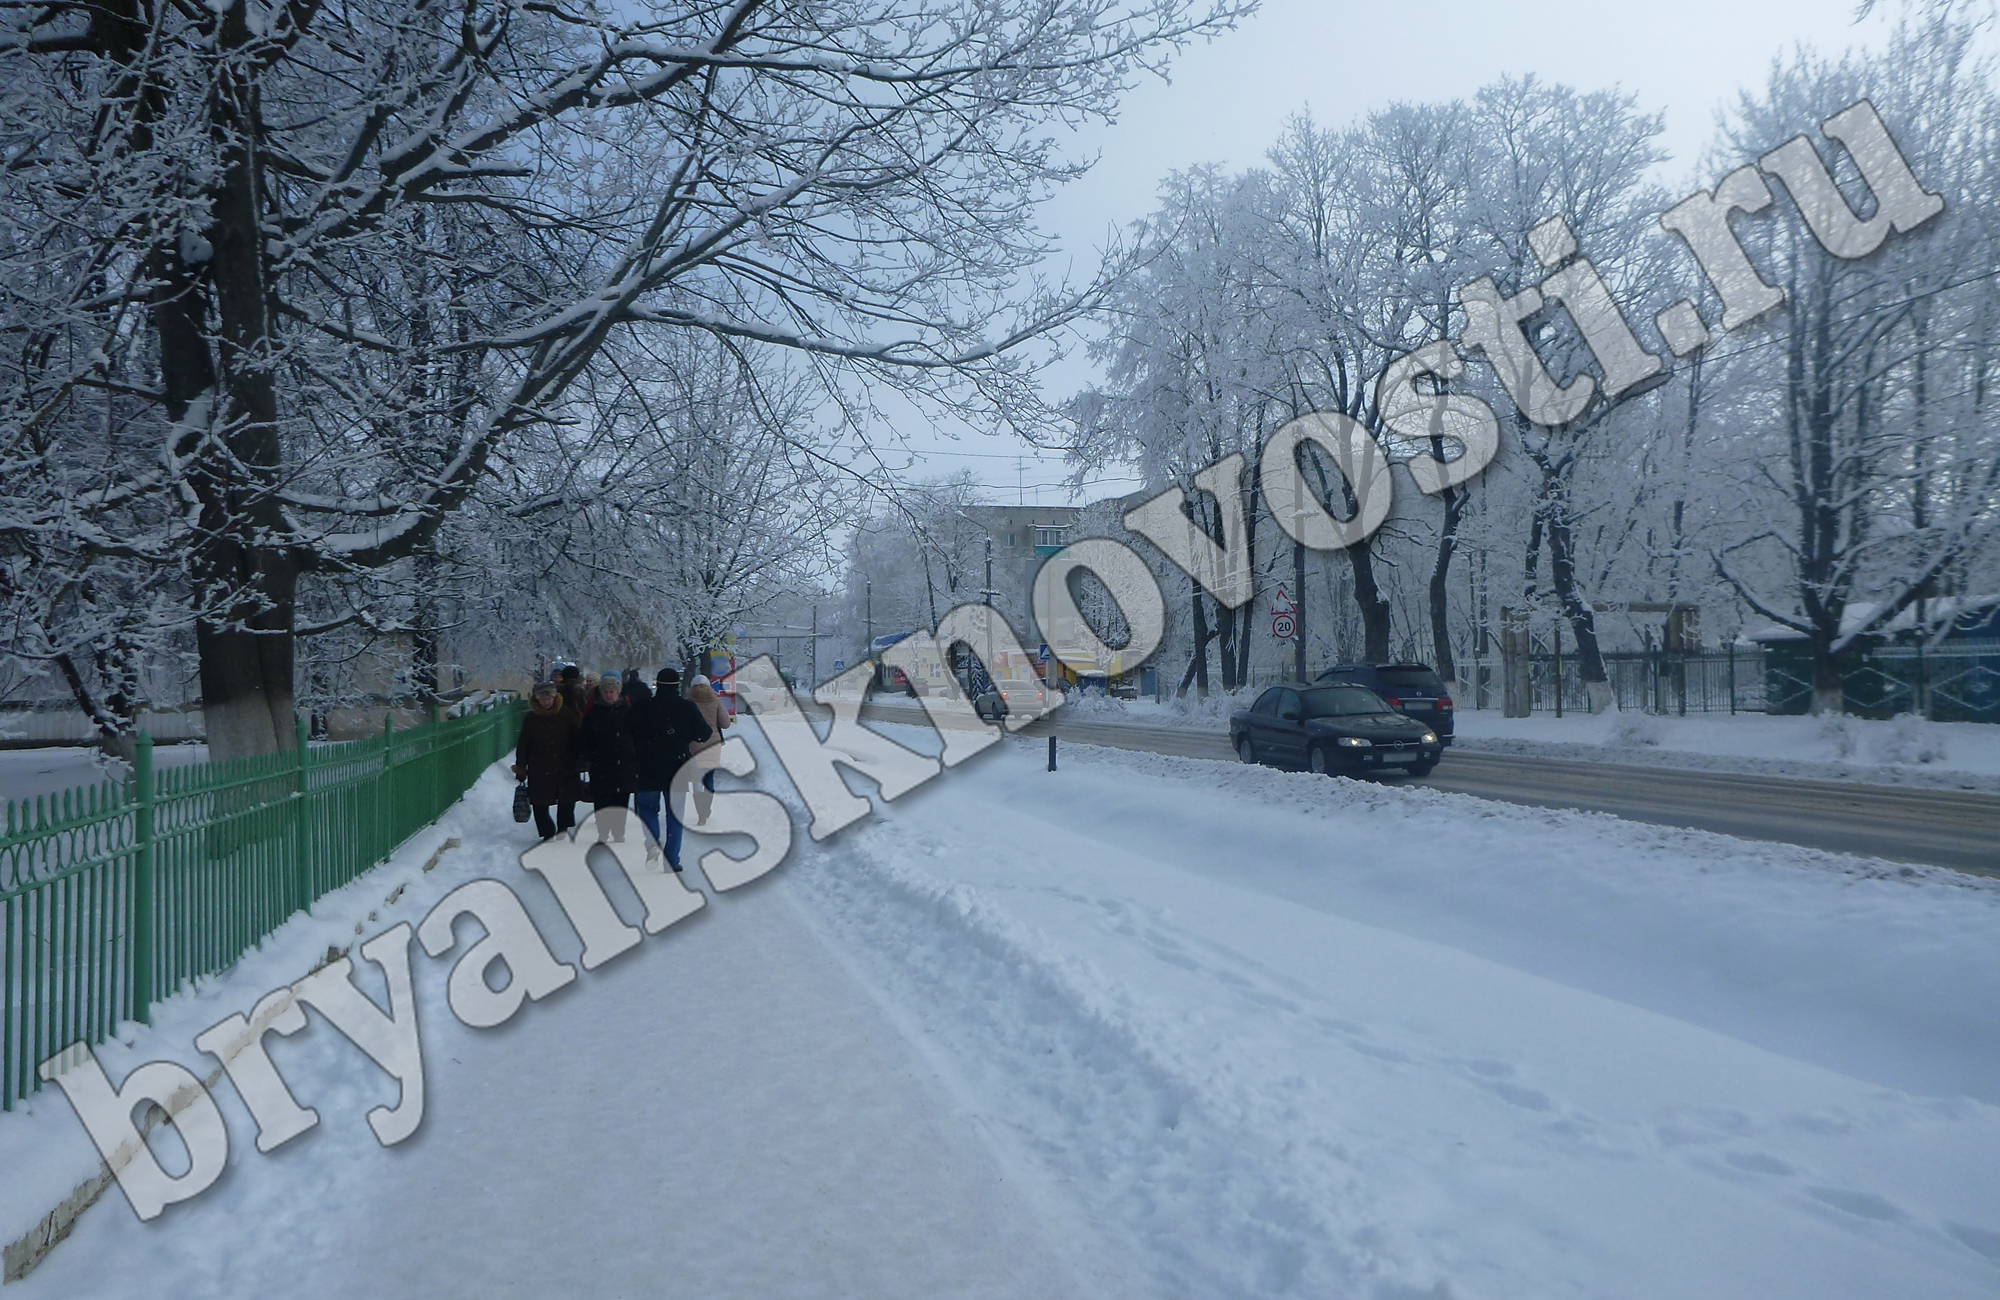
[(1052, 753)]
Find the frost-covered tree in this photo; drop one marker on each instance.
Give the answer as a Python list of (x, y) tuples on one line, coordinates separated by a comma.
[(1194, 376), (1872, 479), (286, 281)]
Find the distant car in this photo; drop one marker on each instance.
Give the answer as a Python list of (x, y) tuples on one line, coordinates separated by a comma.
[(990, 697), (1411, 689), (990, 703), (756, 697), (1333, 730)]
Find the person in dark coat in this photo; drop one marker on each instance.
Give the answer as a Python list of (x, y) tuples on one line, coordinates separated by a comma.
[(546, 754), (607, 745), (573, 692), (664, 726)]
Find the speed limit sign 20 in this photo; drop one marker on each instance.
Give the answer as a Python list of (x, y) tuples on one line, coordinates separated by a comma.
[(1281, 626)]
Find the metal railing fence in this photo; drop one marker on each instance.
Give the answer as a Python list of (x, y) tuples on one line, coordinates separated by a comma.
[(1646, 681), (1956, 681), (112, 895)]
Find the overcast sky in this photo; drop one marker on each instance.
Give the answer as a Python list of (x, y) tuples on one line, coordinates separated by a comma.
[(1228, 100)]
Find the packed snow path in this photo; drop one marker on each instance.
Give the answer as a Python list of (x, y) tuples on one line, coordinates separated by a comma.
[(721, 1112), (1154, 1026)]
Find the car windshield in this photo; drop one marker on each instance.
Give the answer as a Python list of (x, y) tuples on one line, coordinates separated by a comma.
[(1341, 701), (1422, 680)]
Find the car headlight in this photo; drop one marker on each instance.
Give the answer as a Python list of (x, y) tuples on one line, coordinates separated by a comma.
[(1430, 738), (1353, 742)]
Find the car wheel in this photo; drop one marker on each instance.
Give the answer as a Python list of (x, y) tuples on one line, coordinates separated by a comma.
[(1317, 760), (1246, 751), (1424, 768)]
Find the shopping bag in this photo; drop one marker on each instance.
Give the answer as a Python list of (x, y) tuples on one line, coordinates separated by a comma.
[(522, 808)]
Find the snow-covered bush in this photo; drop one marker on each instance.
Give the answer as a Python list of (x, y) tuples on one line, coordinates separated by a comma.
[(1629, 730), (1216, 707), (1910, 738), (1838, 733), (1092, 704)]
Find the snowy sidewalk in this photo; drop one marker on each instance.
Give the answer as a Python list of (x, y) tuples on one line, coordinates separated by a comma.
[(1275, 1035), (721, 1112)]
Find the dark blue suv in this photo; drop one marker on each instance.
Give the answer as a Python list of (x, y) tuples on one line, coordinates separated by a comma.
[(1411, 689)]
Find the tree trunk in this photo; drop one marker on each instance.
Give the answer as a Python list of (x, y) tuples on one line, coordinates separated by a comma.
[(1454, 507), (1374, 606), (246, 593), (1227, 627), (426, 632), (1299, 610), (1589, 659), (246, 659), (1829, 695), (1201, 638)]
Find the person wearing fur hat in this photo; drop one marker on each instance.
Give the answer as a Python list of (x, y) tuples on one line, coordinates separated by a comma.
[(545, 756)]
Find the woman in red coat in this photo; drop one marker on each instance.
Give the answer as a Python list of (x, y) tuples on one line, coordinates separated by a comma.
[(546, 755)]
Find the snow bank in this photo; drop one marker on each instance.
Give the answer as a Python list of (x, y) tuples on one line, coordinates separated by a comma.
[(1908, 750)]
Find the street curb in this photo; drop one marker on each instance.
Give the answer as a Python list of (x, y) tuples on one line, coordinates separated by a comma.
[(20, 1257)]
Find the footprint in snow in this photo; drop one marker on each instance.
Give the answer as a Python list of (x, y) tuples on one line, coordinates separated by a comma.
[(1976, 1239), (1756, 1162), (1514, 1094), (1862, 1204)]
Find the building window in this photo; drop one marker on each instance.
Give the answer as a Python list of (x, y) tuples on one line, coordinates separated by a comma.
[(1051, 535)]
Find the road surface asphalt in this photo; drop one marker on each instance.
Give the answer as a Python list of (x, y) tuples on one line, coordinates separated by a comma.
[(1943, 828)]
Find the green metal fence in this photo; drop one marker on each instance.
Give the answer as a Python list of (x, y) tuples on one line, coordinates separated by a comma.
[(1956, 681), (112, 895)]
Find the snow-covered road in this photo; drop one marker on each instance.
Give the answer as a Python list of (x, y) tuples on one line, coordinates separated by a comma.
[(1149, 1027)]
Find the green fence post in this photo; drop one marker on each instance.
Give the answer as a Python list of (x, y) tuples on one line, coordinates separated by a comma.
[(384, 800), (143, 921), (437, 765), (301, 818)]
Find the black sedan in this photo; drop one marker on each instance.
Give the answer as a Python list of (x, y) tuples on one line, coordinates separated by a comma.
[(1332, 729)]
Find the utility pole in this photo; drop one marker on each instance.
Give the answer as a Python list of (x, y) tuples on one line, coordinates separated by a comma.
[(871, 618), (987, 593), (812, 655)]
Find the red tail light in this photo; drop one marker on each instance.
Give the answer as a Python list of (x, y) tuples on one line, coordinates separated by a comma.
[(1395, 703), (1444, 701)]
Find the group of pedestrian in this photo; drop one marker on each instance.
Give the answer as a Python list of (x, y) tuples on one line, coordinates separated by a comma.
[(622, 745)]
